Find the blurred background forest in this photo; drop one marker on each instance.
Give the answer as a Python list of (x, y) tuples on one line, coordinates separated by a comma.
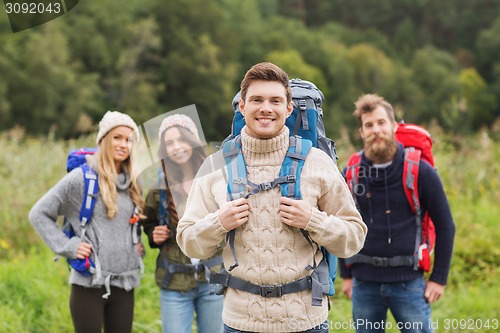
[(432, 59)]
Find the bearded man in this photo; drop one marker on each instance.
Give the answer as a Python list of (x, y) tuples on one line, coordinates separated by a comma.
[(379, 278)]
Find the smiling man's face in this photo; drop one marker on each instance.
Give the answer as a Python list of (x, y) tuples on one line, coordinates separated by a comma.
[(265, 109)]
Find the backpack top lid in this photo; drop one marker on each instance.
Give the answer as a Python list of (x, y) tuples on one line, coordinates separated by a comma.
[(305, 89), (77, 157), (411, 135)]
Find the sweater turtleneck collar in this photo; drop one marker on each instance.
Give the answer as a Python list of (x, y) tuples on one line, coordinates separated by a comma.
[(258, 152)]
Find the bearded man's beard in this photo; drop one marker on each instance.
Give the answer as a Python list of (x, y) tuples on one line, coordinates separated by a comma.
[(381, 151)]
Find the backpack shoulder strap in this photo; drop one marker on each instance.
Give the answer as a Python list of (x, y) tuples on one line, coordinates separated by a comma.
[(291, 168), (236, 182), (410, 184), (163, 206), (410, 177), (352, 172), (91, 188), (236, 169)]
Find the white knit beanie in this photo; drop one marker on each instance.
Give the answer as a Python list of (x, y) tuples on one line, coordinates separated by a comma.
[(114, 119), (178, 120)]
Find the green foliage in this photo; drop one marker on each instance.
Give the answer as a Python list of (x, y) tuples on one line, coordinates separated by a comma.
[(137, 85), (478, 102), (488, 45), (469, 177), (147, 57), (445, 24), (293, 63), (28, 169), (34, 295), (45, 89), (371, 67), (435, 73), (34, 292), (195, 69)]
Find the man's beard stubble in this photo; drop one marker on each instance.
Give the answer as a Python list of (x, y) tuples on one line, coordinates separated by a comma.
[(379, 153)]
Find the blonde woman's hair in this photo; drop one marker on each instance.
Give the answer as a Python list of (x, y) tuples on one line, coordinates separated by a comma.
[(107, 178)]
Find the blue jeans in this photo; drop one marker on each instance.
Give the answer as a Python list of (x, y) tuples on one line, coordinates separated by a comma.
[(323, 328), (405, 300), (178, 308)]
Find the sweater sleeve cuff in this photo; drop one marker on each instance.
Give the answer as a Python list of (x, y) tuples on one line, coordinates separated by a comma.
[(71, 248), (345, 272), (219, 226), (438, 278), (314, 220), (216, 225)]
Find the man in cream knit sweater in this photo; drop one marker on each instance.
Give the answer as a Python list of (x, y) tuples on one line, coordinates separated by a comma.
[(269, 245)]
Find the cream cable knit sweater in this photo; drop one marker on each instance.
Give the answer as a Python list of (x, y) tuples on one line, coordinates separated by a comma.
[(270, 252)]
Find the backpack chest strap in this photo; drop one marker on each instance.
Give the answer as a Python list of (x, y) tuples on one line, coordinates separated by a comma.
[(288, 179), (266, 186), (396, 261), (278, 290), (193, 268)]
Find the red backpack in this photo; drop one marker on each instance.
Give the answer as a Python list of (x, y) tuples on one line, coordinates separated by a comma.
[(418, 145)]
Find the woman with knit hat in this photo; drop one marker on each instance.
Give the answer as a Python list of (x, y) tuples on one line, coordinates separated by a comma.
[(183, 281), (104, 298)]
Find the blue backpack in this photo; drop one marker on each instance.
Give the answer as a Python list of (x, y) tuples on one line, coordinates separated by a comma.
[(77, 158), (307, 129)]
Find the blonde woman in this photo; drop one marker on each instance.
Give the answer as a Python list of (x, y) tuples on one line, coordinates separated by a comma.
[(105, 298)]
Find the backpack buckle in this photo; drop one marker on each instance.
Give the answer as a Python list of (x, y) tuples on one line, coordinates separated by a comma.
[(265, 186), (90, 175), (379, 262), (271, 291), (239, 180), (302, 105), (199, 268)]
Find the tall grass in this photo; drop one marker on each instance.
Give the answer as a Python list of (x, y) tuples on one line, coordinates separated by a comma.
[(34, 293), (28, 168)]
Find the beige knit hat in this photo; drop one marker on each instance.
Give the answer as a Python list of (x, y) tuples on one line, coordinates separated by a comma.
[(114, 119), (178, 120)]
